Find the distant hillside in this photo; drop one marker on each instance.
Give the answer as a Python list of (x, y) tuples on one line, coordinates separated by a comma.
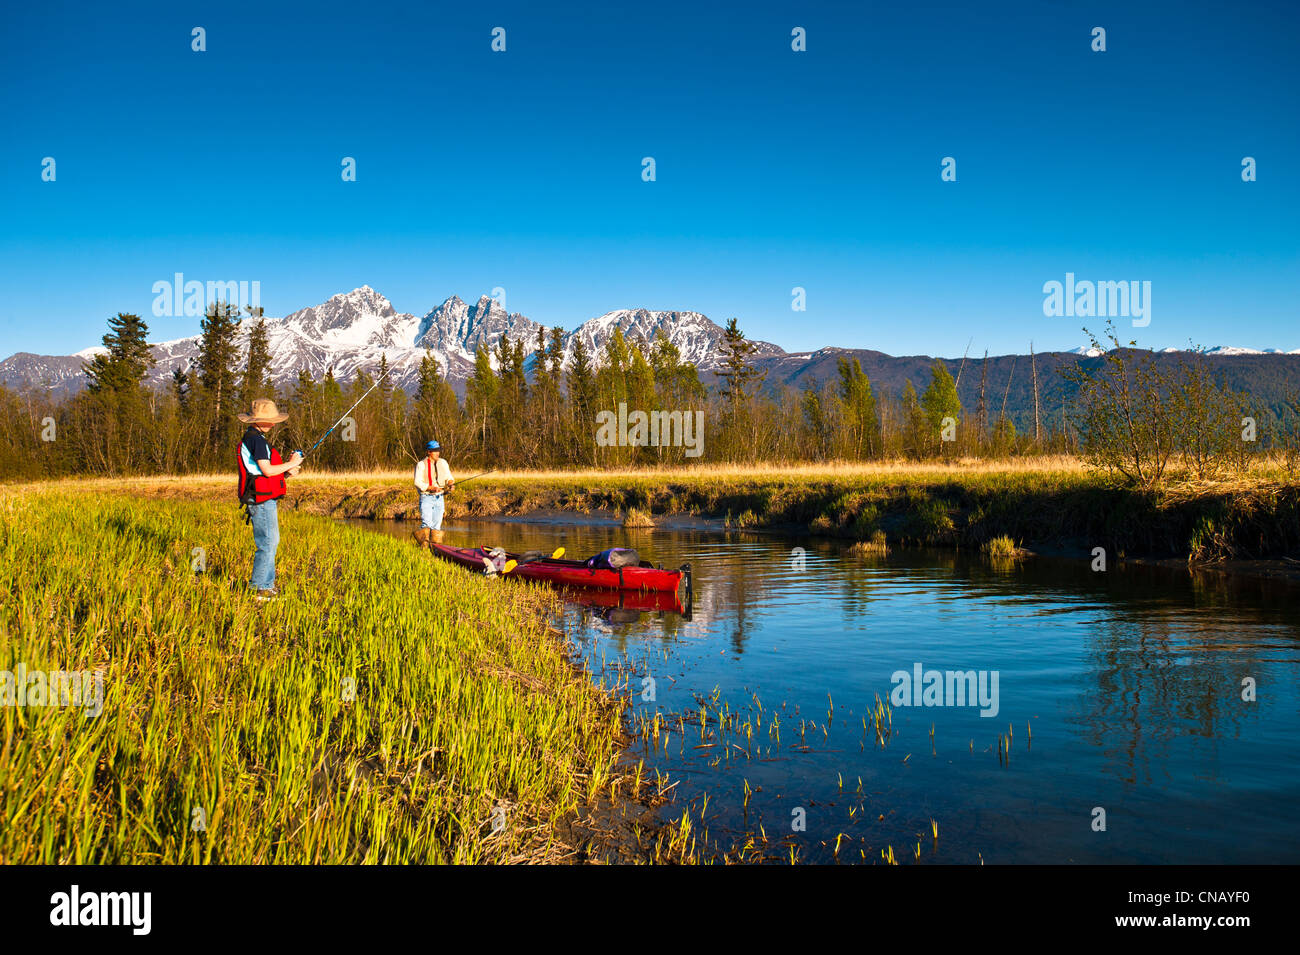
[(1266, 376)]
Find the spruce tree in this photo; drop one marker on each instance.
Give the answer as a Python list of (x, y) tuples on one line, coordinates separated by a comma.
[(738, 372), (216, 369), (481, 398), (740, 381), (116, 418), (123, 367), (257, 368), (582, 404)]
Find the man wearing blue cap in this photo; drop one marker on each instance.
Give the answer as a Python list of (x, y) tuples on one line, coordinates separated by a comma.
[(432, 479)]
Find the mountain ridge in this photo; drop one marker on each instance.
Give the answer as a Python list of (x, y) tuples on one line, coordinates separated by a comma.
[(353, 330)]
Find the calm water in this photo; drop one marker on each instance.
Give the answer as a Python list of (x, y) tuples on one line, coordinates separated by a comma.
[(1131, 682)]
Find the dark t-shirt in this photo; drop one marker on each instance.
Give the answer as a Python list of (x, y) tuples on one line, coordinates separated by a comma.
[(259, 449)]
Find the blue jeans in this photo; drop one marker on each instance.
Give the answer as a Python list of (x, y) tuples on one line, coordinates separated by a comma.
[(431, 508), (266, 536)]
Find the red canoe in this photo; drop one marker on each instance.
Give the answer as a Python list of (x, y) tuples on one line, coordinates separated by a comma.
[(575, 573)]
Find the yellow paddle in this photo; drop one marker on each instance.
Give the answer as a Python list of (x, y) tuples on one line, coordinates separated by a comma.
[(512, 564)]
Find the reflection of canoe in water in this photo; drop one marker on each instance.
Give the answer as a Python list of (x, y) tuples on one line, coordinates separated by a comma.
[(639, 601), (575, 573)]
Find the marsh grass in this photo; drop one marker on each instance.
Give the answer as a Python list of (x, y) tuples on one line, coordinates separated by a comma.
[(875, 546), (1001, 548), (636, 517), (385, 709)]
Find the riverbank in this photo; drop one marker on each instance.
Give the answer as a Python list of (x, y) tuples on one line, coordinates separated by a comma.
[(387, 708), (1043, 504)]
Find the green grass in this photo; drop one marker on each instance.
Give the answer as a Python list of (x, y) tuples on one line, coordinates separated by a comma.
[(463, 701), (1000, 548)]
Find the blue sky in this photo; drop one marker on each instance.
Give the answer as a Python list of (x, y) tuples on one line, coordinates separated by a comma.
[(775, 169)]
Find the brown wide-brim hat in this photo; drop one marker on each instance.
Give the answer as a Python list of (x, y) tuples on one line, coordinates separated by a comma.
[(264, 412)]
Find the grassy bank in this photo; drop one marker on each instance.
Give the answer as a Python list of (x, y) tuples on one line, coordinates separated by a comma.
[(385, 709), (1036, 503)]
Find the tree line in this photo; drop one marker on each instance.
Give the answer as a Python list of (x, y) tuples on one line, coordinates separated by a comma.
[(526, 407)]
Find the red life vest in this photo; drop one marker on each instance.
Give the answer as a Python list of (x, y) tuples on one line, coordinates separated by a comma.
[(257, 488)]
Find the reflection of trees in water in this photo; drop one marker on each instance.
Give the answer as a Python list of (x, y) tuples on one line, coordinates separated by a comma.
[(1158, 682), (1272, 599), (1166, 658), (728, 604)]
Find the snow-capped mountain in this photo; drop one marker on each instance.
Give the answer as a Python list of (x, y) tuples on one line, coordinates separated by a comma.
[(1224, 350), (354, 330), (1235, 350), (697, 338), (454, 331)]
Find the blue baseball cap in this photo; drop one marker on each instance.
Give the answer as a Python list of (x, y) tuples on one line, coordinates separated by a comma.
[(432, 446)]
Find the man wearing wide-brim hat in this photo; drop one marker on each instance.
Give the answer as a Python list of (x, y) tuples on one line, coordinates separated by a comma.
[(261, 484)]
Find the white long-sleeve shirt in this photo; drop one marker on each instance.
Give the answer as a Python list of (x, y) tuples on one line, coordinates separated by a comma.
[(431, 478)]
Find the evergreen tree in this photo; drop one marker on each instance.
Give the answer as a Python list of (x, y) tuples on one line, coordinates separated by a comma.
[(480, 398), (738, 372), (555, 353), (677, 383), (641, 397), (257, 369), (740, 382), (391, 407), (304, 412), (181, 388), (436, 413), (331, 409), (582, 405), (216, 370), (611, 377), (543, 409), (124, 366), (113, 416)]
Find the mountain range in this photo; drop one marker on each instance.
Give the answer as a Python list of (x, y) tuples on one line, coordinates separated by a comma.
[(353, 330)]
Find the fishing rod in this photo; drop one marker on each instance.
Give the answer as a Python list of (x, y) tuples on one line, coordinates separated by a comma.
[(479, 475), (348, 412), (468, 479)]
